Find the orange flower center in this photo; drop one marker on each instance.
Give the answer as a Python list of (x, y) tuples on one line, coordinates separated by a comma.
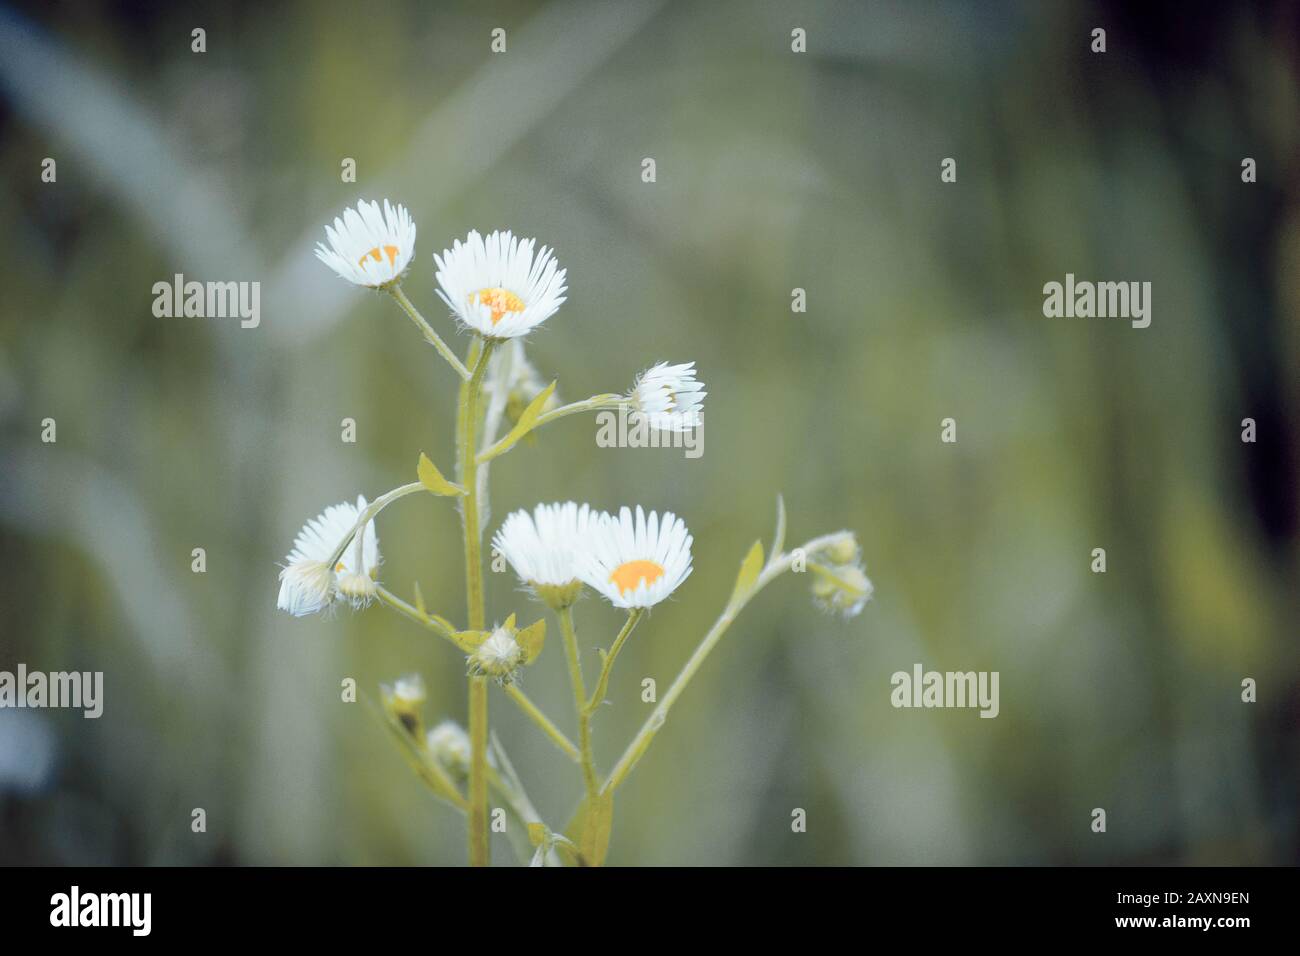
[(378, 256), (628, 577), (499, 300)]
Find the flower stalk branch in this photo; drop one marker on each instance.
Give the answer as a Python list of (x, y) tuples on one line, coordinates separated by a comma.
[(775, 567), (427, 330), (595, 403)]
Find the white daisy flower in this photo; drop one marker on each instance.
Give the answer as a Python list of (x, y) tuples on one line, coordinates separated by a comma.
[(546, 548), (308, 585), (669, 396), (367, 247), (497, 286), (637, 562)]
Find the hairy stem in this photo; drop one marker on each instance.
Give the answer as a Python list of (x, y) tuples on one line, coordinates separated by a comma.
[(541, 720), (776, 566), (437, 624), (595, 403), (480, 352), (579, 701), (602, 685), (427, 330), (372, 509)]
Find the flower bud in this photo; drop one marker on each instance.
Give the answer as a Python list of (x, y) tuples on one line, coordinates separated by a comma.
[(843, 588), (403, 700), (499, 656), (449, 745), (844, 549)]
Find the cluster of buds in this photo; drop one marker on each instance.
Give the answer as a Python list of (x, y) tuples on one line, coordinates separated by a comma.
[(841, 585)]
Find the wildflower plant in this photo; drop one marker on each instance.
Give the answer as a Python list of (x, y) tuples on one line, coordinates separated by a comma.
[(498, 288)]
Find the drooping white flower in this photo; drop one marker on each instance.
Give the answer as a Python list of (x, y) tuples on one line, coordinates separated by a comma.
[(546, 548), (306, 587), (308, 584), (497, 286), (636, 562), (368, 247), (669, 396)]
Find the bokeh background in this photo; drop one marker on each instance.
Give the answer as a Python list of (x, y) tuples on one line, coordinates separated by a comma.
[(775, 170)]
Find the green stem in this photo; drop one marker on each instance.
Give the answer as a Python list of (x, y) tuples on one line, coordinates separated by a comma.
[(602, 685), (542, 721), (479, 851), (579, 701), (439, 625), (595, 403), (444, 628), (372, 509), (480, 352), (433, 337), (776, 566)]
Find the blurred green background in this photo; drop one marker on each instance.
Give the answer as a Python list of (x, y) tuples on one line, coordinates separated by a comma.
[(775, 170)]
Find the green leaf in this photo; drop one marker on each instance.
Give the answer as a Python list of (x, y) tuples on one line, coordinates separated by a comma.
[(595, 835), (531, 639), (468, 641), (749, 571), (527, 420), (433, 481), (586, 836)]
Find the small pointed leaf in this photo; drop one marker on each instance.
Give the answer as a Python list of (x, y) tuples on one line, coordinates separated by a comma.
[(433, 480), (749, 571), (468, 641), (531, 639), (778, 537), (527, 420)]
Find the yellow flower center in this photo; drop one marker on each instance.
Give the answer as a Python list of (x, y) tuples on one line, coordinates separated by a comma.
[(378, 256), (627, 577), (499, 300)]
